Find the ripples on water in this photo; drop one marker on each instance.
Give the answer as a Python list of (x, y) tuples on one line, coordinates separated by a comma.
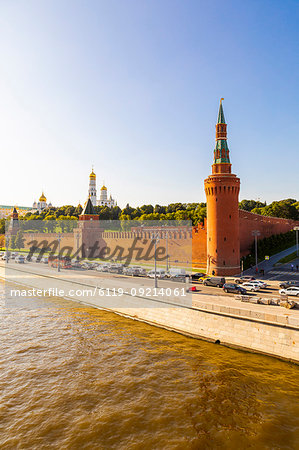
[(77, 377)]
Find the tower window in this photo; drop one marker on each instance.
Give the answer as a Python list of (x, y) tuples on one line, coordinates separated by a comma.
[(230, 216), (224, 263), (216, 250), (209, 239), (224, 239)]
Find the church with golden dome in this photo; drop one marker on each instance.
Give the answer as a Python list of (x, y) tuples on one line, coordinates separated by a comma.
[(92, 193), (41, 204)]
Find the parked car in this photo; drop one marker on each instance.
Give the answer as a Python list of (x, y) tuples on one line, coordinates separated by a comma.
[(286, 284), (250, 286), (196, 276), (178, 277), (141, 271), (135, 271), (174, 272), (214, 281), (34, 259), (260, 283), (20, 259), (293, 290), (116, 268), (234, 288), (87, 265), (44, 260), (103, 268), (243, 279), (160, 273)]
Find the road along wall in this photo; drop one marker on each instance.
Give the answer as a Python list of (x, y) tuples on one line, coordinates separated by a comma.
[(267, 329)]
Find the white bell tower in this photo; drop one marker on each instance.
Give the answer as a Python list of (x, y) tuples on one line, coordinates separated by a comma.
[(92, 190)]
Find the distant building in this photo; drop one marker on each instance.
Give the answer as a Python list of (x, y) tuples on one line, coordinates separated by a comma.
[(92, 190), (41, 204), (92, 193), (104, 200), (7, 210)]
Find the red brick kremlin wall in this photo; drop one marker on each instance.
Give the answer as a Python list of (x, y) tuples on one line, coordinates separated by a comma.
[(179, 246), (248, 222), (265, 224)]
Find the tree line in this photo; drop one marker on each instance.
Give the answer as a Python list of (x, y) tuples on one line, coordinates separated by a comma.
[(195, 212)]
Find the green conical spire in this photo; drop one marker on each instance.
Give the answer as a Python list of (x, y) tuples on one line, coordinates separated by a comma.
[(88, 209), (221, 152), (221, 118)]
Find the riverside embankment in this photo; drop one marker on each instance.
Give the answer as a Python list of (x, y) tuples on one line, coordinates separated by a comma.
[(75, 377), (268, 329)]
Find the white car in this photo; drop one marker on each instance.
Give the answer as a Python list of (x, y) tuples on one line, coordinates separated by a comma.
[(103, 267), (160, 273), (259, 283), (20, 259), (249, 286), (290, 291)]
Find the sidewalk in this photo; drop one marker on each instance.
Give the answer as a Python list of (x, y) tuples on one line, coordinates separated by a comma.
[(267, 265)]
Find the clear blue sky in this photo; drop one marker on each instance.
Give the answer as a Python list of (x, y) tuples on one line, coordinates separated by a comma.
[(133, 87)]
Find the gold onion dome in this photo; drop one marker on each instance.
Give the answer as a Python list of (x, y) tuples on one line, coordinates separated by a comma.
[(42, 198), (92, 174), (103, 188)]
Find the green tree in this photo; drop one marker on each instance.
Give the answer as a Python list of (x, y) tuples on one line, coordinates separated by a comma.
[(13, 242), (19, 240), (249, 205), (2, 226)]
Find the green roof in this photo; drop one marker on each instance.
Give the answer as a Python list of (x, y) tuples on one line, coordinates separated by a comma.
[(221, 152), (221, 118), (89, 208)]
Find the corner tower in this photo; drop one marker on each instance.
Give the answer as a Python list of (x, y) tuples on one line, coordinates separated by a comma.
[(222, 192)]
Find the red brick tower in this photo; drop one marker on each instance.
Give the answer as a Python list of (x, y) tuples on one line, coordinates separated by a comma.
[(222, 191), (88, 232), (14, 222)]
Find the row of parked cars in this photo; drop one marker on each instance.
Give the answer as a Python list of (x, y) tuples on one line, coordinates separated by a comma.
[(138, 271), (240, 286), (13, 256)]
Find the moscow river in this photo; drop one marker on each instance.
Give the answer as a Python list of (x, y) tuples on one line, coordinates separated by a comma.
[(75, 377)]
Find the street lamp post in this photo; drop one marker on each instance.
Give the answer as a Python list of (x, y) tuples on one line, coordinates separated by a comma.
[(166, 235), (7, 241), (256, 233), (167, 262), (59, 239), (297, 249), (155, 237)]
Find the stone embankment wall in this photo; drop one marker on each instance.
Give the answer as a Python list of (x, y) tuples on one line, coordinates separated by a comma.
[(272, 330)]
